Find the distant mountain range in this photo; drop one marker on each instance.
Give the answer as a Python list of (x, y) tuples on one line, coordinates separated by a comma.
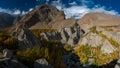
[(6, 20)]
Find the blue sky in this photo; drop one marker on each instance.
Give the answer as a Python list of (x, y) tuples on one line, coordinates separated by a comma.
[(70, 7), (113, 4)]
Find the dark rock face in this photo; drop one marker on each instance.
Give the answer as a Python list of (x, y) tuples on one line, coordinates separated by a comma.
[(6, 63), (42, 63), (71, 61), (26, 39), (6, 20)]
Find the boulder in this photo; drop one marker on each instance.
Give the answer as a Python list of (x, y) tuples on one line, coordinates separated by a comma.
[(65, 35), (7, 53), (42, 63)]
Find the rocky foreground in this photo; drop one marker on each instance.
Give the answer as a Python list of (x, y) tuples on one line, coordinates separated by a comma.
[(43, 38)]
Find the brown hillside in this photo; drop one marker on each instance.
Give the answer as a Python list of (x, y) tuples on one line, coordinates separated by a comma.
[(100, 19)]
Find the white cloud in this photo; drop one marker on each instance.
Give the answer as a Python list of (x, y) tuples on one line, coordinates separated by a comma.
[(5, 10), (77, 11), (73, 3), (58, 4), (23, 13), (17, 12), (30, 9), (14, 11)]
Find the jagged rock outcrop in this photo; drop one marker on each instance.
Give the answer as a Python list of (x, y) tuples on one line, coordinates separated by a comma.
[(99, 19), (69, 36), (42, 63), (97, 36), (26, 39)]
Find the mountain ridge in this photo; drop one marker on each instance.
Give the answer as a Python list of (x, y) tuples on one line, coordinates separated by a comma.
[(99, 19)]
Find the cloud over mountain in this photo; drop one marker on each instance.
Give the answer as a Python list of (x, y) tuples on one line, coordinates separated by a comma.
[(77, 11), (72, 8)]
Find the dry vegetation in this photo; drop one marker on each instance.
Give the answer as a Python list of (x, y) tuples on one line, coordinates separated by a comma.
[(36, 32), (98, 58), (52, 51), (7, 41)]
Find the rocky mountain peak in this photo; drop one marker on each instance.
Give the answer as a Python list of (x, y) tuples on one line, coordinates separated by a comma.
[(41, 15)]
